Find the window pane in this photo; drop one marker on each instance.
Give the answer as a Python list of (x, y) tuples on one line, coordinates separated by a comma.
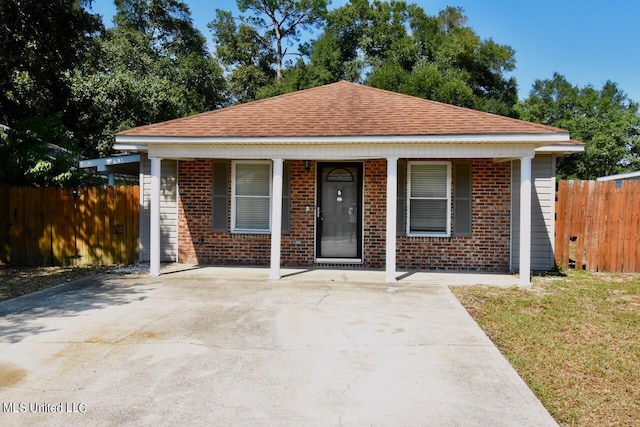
[(252, 213), (428, 216), (429, 180), (252, 179)]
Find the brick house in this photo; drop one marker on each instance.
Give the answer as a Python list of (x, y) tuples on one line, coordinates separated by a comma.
[(346, 174)]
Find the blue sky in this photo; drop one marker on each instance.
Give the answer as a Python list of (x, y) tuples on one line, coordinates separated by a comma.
[(588, 41)]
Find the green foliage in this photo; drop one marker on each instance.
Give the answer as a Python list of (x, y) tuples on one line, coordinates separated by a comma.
[(167, 22), (282, 21), (39, 42), (606, 120), (40, 152), (397, 46), (153, 66), (260, 43), (426, 81), (333, 60), (66, 81), (246, 55)]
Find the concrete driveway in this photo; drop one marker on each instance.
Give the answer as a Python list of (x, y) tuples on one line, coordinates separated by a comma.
[(217, 346)]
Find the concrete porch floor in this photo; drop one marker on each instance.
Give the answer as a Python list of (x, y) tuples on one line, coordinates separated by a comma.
[(311, 274)]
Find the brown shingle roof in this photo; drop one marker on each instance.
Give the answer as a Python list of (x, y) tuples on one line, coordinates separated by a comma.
[(339, 109)]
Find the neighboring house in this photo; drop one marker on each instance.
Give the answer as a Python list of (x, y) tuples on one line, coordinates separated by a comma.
[(628, 176), (349, 175)]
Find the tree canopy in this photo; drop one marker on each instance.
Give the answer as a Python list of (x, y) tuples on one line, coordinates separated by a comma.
[(152, 66), (391, 45), (40, 42), (40, 152), (605, 119), (259, 42), (436, 57)]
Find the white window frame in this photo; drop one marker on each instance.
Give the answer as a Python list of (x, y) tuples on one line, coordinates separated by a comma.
[(234, 164), (447, 233)]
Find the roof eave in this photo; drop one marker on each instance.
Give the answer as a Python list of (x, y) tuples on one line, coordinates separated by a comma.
[(124, 142)]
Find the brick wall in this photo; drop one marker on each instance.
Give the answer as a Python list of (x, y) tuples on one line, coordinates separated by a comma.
[(297, 247), (197, 243), (486, 250), (375, 206)]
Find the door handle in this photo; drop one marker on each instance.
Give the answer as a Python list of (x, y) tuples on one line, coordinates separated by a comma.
[(318, 212)]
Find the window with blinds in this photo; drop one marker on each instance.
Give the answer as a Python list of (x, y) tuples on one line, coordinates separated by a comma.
[(251, 196), (429, 201)]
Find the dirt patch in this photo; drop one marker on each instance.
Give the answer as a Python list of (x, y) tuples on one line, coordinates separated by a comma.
[(18, 281), (11, 374)]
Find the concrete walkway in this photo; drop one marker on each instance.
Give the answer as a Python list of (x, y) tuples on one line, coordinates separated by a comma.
[(224, 346)]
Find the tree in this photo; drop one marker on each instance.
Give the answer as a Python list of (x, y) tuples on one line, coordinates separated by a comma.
[(606, 120), (152, 66), (262, 39), (245, 53), (39, 43), (285, 18), (167, 22), (397, 46), (40, 152)]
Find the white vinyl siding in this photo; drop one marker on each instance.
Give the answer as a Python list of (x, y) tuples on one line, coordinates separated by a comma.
[(168, 209), (429, 201), (542, 213), (251, 197)]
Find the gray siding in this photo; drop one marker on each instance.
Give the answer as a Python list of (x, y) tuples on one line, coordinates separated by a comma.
[(543, 197), (168, 209)]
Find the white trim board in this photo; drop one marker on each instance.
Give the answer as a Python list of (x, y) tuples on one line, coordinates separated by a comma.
[(473, 138)]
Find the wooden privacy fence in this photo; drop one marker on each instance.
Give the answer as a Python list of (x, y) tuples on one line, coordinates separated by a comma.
[(57, 226), (598, 225)]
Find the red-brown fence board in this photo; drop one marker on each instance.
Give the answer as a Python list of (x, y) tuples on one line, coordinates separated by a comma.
[(598, 225), (634, 231), (54, 226)]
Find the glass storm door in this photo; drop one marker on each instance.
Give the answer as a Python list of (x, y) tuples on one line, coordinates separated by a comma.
[(339, 211)]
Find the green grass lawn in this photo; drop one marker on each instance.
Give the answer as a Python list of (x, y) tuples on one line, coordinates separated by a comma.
[(575, 340)]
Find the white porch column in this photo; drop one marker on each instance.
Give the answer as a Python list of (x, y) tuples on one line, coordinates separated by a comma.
[(392, 202), (154, 220), (276, 218), (525, 221)]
